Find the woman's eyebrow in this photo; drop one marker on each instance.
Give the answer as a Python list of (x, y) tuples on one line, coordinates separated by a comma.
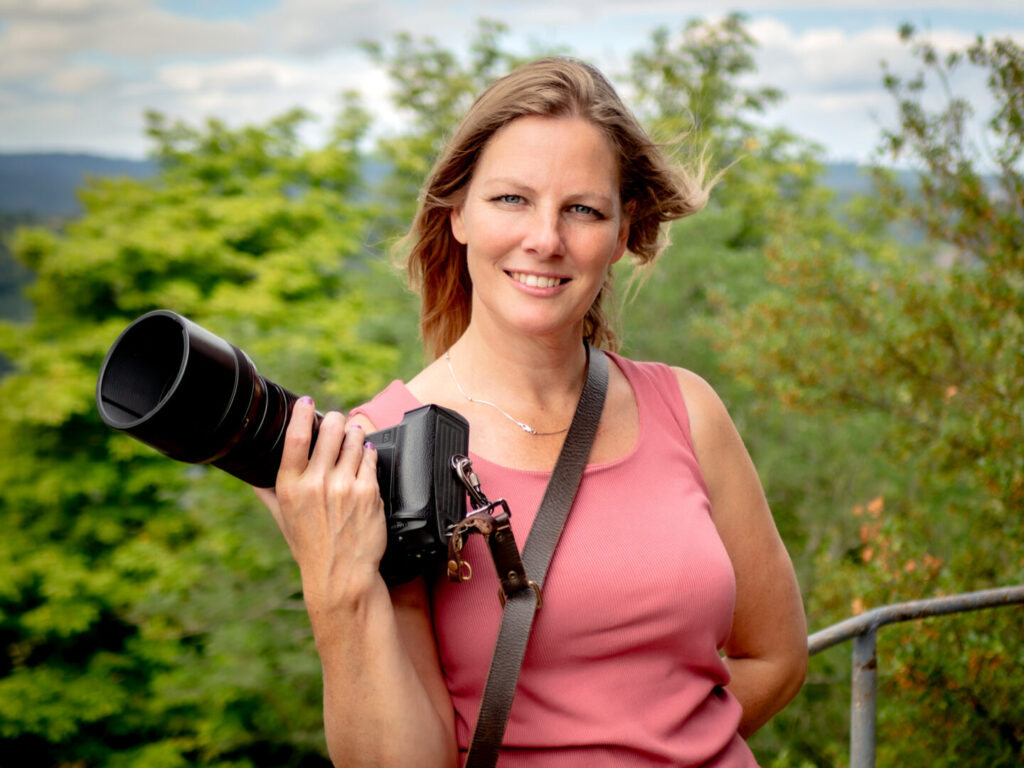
[(591, 195), (506, 181)]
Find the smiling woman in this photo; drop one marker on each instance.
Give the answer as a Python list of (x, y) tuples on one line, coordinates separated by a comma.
[(672, 624), (639, 183)]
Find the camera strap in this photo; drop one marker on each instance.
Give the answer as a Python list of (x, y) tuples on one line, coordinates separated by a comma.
[(516, 575)]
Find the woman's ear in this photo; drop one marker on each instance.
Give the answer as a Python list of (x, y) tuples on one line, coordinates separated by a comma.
[(458, 225)]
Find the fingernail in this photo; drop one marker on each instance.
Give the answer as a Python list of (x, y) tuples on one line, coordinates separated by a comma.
[(358, 426), (369, 446), (306, 400)]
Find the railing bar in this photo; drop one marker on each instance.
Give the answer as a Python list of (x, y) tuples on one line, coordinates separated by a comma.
[(890, 614), (864, 630)]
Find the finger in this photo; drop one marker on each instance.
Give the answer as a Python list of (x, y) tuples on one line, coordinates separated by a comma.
[(366, 474), (352, 449), (366, 486), (295, 453), (368, 464), (328, 442)]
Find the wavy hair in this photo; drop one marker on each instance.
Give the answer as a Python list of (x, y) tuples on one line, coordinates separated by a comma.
[(651, 188)]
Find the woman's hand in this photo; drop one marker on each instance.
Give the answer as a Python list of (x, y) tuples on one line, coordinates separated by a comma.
[(375, 648), (328, 506)]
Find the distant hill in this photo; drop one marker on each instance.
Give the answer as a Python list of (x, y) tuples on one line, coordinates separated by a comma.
[(45, 184), (850, 179), (846, 179)]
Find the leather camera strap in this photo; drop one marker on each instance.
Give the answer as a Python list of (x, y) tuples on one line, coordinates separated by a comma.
[(520, 606)]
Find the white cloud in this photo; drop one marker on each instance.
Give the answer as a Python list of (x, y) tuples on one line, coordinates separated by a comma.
[(832, 80), (78, 80), (82, 72), (316, 26), (64, 8), (700, 7), (252, 90), (131, 29), (823, 58), (237, 74)]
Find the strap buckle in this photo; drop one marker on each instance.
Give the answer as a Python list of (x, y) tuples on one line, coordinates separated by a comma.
[(492, 520), (503, 598)]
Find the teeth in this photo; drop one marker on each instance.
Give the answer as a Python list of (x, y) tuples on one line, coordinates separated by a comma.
[(536, 281)]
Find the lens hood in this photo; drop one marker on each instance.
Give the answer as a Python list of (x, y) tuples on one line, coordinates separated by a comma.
[(193, 396)]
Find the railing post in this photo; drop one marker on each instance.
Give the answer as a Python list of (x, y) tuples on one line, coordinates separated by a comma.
[(863, 629), (862, 712)]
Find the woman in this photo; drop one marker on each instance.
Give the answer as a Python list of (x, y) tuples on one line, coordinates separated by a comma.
[(672, 625)]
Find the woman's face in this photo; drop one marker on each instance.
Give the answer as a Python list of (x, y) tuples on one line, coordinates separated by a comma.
[(542, 222)]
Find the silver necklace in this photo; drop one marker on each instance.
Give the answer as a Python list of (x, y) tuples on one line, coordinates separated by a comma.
[(521, 424)]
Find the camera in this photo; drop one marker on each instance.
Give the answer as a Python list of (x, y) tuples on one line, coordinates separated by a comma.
[(196, 398)]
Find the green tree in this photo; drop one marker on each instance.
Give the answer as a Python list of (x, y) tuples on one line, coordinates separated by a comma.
[(149, 612), (910, 307), (689, 82)]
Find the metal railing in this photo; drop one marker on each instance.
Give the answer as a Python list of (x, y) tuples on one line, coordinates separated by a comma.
[(863, 629)]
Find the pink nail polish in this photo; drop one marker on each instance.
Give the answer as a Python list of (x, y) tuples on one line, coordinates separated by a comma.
[(306, 400), (369, 446)]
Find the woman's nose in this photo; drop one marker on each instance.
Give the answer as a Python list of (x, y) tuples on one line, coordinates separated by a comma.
[(543, 235)]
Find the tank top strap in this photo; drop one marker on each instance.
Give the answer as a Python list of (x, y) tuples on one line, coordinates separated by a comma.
[(657, 391)]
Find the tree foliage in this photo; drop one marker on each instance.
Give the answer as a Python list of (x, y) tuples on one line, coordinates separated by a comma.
[(148, 611), (910, 307), (689, 82)]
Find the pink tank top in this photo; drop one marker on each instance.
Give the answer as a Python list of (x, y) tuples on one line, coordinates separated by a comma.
[(622, 667)]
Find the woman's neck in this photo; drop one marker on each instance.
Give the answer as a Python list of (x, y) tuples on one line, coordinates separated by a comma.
[(528, 372)]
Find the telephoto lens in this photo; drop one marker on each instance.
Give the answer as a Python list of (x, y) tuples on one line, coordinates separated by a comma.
[(193, 396), (197, 398)]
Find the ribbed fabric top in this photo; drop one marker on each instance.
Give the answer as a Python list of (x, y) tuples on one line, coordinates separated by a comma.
[(622, 667)]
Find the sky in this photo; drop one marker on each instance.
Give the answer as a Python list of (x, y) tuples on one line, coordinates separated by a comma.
[(78, 75)]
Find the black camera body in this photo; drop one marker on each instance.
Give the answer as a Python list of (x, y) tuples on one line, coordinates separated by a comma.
[(423, 497), (173, 385)]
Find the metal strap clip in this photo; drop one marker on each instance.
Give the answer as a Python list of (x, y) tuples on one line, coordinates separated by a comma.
[(492, 519)]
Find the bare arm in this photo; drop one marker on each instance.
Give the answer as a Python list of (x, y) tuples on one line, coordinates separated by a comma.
[(385, 702), (766, 652)]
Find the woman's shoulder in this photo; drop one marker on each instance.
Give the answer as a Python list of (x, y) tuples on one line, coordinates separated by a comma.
[(695, 389), (708, 413), (387, 407), (716, 441)]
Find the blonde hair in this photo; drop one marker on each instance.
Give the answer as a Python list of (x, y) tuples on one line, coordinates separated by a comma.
[(651, 188)]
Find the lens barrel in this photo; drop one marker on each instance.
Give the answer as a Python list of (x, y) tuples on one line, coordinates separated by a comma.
[(193, 396)]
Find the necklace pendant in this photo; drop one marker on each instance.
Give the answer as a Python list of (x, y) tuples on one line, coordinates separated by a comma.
[(522, 425)]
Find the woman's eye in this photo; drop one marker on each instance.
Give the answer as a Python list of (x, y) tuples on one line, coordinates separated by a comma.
[(510, 199), (585, 210)]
